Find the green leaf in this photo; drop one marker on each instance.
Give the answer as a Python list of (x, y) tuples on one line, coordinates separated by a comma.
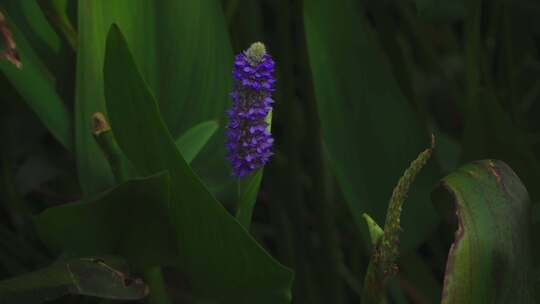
[(222, 261), (489, 261), (129, 220), (46, 43), (373, 290), (33, 82), (194, 139), (184, 54), (369, 127), (375, 231), (96, 277), (57, 12)]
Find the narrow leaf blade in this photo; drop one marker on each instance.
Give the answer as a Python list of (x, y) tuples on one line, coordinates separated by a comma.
[(32, 81)]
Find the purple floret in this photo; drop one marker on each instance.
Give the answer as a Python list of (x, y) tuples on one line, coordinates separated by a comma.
[(249, 142)]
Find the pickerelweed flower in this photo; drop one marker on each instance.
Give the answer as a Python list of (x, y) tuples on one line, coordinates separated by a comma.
[(249, 141)]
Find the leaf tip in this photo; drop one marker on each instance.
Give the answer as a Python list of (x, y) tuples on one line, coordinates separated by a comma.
[(375, 231)]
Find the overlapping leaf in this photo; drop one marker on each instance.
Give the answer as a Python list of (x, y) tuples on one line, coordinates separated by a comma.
[(183, 52), (219, 258), (130, 220)]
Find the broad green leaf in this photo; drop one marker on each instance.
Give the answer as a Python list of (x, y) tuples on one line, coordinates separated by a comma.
[(221, 260), (104, 278), (489, 261), (369, 127), (33, 82), (194, 139), (183, 52), (130, 220)]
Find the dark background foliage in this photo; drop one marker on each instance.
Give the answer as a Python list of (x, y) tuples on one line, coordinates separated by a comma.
[(347, 120)]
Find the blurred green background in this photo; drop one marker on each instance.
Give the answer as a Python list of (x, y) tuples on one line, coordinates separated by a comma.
[(362, 85)]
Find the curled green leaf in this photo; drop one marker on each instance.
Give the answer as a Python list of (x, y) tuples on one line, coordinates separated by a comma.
[(489, 261)]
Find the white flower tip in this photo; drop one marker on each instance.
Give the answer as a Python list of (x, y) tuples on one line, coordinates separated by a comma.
[(256, 52)]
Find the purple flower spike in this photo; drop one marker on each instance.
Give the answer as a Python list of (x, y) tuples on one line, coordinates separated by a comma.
[(249, 141)]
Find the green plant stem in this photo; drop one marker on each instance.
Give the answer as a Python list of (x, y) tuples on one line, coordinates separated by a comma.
[(158, 292), (242, 215), (373, 291), (248, 189), (105, 138), (247, 197)]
